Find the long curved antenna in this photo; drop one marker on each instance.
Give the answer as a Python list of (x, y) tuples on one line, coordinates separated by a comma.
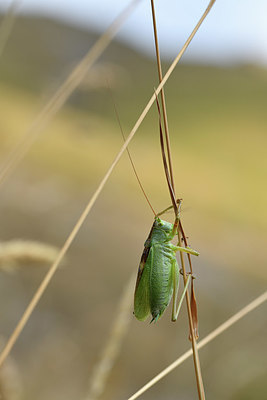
[(129, 155)]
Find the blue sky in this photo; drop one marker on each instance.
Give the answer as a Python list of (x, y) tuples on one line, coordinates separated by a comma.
[(235, 31)]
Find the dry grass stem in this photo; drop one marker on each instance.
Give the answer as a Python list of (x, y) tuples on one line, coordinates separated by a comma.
[(91, 202), (7, 24), (10, 380), (218, 331), (200, 386), (162, 96), (20, 252), (63, 93), (111, 350), (199, 381)]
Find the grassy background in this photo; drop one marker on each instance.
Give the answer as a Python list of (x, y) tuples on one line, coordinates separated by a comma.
[(218, 126)]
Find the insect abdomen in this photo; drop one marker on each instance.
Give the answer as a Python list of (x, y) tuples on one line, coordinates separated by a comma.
[(161, 278)]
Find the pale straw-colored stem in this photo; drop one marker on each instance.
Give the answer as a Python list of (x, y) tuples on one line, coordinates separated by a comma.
[(7, 24), (25, 317), (200, 386), (25, 252), (199, 381), (211, 336), (111, 350), (162, 95), (62, 94)]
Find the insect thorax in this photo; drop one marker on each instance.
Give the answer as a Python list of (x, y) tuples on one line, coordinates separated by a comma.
[(161, 230)]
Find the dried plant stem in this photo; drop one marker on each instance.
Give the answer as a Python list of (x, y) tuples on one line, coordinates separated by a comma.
[(63, 93), (200, 386), (162, 95), (25, 252), (25, 317), (211, 336), (110, 352), (10, 380), (7, 24)]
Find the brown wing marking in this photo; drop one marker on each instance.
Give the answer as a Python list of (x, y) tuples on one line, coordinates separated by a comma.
[(144, 256), (142, 265)]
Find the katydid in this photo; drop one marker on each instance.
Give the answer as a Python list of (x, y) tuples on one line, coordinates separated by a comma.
[(158, 273)]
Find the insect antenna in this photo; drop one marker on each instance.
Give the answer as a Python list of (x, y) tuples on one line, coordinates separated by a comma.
[(166, 210), (129, 154)]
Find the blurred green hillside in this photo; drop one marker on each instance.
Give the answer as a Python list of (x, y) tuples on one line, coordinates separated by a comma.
[(218, 126)]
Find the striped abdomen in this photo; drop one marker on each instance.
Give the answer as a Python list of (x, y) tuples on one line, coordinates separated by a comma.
[(162, 275)]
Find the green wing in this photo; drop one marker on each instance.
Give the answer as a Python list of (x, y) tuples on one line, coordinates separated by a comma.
[(141, 296)]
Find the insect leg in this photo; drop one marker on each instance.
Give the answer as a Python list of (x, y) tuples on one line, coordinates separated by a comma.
[(176, 308), (187, 250), (178, 201), (176, 281), (142, 295)]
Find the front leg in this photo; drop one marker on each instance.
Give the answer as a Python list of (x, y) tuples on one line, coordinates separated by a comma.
[(187, 250), (184, 249)]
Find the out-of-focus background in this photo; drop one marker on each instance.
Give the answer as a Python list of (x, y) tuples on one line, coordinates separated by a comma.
[(216, 99)]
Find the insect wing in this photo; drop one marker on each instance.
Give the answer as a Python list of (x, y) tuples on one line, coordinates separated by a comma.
[(142, 265), (144, 256), (141, 296)]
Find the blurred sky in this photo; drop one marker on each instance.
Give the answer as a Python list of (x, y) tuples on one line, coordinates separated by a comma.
[(235, 31)]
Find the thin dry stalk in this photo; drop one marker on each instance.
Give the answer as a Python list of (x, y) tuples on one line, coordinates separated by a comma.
[(63, 93), (211, 336), (25, 317), (162, 95), (111, 350), (7, 24), (199, 381), (21, 252), (10, 380), (200, 386)]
